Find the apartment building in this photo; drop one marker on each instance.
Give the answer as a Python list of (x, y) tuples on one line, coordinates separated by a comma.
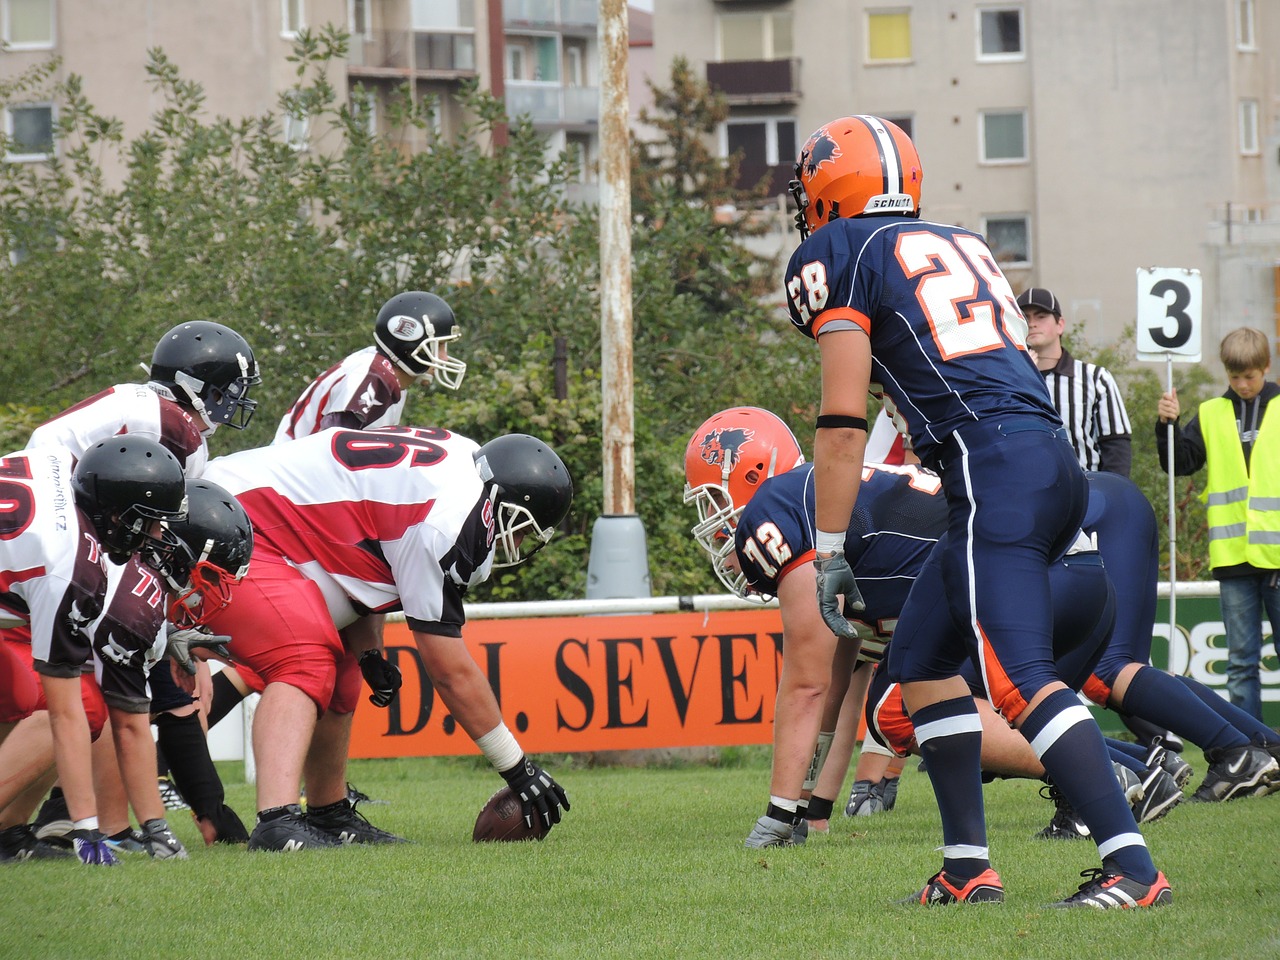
[(1085, 139), (540, 55)]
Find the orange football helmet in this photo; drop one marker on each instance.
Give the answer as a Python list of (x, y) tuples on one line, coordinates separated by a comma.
[(727, 460), (853, 167)]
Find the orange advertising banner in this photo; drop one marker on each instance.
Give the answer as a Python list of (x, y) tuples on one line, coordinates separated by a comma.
[(569, 684)]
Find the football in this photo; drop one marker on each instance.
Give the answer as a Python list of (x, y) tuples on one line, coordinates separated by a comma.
[(500, 820)]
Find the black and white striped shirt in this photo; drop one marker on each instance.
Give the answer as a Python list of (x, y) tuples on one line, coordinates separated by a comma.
[(1089, 402)]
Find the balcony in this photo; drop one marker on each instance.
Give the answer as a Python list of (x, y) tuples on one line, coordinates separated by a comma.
[(552, 104), (396, 54), (383, 52), (548, 14), (752, 82)]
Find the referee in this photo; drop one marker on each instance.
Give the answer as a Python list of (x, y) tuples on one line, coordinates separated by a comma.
[(1085, 394)]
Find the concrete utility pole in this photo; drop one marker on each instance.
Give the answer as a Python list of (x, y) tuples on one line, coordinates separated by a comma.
[(618, 565)]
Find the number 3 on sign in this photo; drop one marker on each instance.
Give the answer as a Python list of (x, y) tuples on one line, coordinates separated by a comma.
[(1169, 314)]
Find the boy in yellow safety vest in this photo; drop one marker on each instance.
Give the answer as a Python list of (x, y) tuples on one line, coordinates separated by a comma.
[(1237, 435)]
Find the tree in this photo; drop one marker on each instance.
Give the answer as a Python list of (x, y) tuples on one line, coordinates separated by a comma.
[(219, 218)]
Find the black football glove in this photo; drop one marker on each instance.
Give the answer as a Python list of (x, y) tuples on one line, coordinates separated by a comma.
[(382, 677), (835, 580), (540, 796), (181, 642)]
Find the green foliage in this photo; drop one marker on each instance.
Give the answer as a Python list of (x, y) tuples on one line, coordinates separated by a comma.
[(206, 217)]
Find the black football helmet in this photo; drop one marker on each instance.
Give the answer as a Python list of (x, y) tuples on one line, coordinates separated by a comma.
[(410, 329), (534, 494), (124, 485), (215, 542), (210, 367)]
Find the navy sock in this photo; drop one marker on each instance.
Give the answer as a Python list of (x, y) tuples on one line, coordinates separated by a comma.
[(1069, 744), (1135, 750), (1125, 758), (1156, 696), (950, 738), (1245, 722)]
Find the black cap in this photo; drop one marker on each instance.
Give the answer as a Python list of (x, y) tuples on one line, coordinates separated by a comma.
[(1041, 298)]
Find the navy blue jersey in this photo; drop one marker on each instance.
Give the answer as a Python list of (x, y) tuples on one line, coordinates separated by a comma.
[(899, 516), (948, 341)]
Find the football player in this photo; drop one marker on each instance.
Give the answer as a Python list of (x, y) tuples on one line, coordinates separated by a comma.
[(200, 376), (67, 518), (351, 522), (920, 314), (1241, 750), (412, 335), (755, 500)]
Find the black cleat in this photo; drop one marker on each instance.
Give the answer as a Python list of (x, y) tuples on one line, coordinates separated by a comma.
[(345, 824), (288, 832), (21, 843), (1248, 771)]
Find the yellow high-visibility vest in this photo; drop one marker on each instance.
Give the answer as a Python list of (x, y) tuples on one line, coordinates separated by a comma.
[(1244, 506)]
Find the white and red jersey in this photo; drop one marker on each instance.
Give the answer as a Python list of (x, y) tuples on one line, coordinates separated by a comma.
[(52, 571), (133, 408), (362, 391), (381, 520)]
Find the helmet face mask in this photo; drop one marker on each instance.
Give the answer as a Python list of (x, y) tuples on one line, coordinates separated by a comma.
[(519, 535), (413, 330), (728, 457), (853, 167), (532, 495), (214, 546), (211, 368)]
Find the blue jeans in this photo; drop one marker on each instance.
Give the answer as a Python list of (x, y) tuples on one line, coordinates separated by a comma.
[(1243, 600)]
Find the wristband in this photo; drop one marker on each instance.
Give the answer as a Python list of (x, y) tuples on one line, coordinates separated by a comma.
[(829, 542), (500, 748), (841, 420)]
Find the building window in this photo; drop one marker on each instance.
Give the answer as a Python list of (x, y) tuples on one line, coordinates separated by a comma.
[(756, 36), (293, 17), (575, 74), (27, 24), (360, 17), (889, 36), (515, 63), (364, 109), (1004, 136), (1000, 34), (29, 132), (443, 14), (905, 121), (297, 126), (1249, 128), (1009, 237), (578, 147), (763, 142), (1245, 39)]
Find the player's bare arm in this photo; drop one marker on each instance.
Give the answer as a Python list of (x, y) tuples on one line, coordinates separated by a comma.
[(838, 450)]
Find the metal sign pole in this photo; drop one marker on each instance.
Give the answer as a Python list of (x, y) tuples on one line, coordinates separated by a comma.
[(1173, 517)]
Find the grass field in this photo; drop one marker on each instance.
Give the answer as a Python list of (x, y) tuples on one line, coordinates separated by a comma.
[(649, 863)]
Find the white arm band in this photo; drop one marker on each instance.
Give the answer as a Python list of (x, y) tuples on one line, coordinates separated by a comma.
[(500, 748), (829, 542)]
